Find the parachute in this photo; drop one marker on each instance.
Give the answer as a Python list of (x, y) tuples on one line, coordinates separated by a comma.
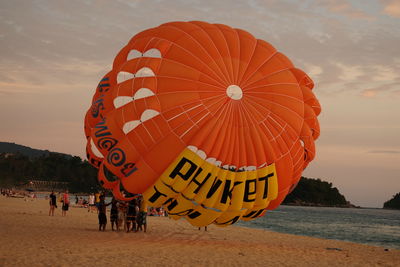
[(202, 119)]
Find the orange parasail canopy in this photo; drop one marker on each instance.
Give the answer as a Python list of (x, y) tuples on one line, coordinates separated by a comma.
[(203, 119)]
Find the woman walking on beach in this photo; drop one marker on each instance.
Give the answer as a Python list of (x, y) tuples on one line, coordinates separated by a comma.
[(53, 203), (65, 200)]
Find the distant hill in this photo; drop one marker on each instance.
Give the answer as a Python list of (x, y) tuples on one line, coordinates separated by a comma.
[(393, 203), (12, 148), (20, 165), (315, 192)]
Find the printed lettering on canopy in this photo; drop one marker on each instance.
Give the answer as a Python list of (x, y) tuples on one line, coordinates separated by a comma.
[(203, 119)]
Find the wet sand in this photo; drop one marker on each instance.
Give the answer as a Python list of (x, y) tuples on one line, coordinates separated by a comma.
[(30, 237)]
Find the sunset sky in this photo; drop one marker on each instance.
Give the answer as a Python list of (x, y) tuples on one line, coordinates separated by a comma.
[(53, 54)]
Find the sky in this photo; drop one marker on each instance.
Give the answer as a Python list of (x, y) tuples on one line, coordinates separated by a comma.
[(53, 54)]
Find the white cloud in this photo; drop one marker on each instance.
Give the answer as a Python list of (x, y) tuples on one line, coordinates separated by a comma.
[(321, 37), (350, 73), (313, 70), (385, 73)]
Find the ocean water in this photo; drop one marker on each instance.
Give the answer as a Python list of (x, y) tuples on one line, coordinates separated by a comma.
[(376, 227)]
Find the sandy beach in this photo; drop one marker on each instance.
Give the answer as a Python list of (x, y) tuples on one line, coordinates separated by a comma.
[(30, 237)]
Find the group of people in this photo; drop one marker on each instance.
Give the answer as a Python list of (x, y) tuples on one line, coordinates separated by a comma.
[(129, 215), (6, 192), (63, 198), (25, 194)]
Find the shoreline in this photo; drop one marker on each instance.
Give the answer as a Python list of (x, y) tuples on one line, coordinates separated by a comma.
[(295, 204), (385, 248), (31, 237)]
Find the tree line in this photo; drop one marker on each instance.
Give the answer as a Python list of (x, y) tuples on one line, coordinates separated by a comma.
[(315, 192), (16, 170), (393, 203)]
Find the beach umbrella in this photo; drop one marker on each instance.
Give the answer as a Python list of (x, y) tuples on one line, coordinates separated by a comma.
[(202, 119)]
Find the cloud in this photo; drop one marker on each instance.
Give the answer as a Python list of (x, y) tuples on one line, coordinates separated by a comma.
[(385, 73), (391, 88), (384, 152), (369, 93), (22, 89), (369, 80), (391, 8), (313, 70), (350, 72), (345, 8), (50, 76)]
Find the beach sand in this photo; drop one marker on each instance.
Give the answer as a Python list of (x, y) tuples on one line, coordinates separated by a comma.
[(30, 237)]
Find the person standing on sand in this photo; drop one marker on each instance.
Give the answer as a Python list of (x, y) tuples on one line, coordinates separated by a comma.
[(122, 206), (97, 200), (131, 215), (102, 209), (91, 202), (142, 217), (114, 214), (53, 203), (65, 200)]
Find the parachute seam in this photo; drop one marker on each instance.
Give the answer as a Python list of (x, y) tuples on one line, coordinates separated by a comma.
[(259, 67), (248, 86), (247, 64), (229, 58), (226, 73), (204, 49)]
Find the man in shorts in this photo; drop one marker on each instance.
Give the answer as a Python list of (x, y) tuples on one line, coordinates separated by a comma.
[(102, 208)]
